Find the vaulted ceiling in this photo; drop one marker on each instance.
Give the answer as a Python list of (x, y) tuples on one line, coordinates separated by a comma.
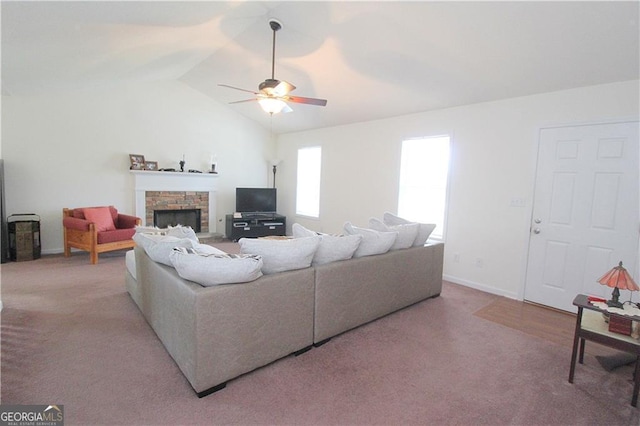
[(371, 60)]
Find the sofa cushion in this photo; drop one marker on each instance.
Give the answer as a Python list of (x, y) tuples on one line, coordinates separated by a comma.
[(101, 217), (424, 231), (209, 269), (280, 255), (373, 242), (332, 247), (407, 232), (159, 247)]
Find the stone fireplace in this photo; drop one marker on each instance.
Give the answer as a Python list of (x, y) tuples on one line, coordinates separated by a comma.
[(178, 191), (177, 201)]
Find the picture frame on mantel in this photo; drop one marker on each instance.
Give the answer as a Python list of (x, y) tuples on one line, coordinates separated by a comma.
[(137, 162), (151, 165)]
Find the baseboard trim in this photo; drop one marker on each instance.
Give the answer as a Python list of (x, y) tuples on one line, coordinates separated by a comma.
[(481, 287)]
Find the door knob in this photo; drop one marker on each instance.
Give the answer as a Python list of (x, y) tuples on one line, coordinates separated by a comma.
[(536, 231)]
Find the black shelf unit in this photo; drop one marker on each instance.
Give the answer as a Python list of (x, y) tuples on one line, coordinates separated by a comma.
[(254, 225)]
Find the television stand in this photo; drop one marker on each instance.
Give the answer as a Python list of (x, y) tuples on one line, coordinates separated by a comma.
[(254, 225)]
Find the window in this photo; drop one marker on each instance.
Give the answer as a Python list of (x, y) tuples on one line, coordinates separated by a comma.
[(308, 184), (424, 169)]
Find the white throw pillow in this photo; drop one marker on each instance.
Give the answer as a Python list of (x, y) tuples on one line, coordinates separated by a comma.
[(209, 269), (178, 231), (424, 231), (332, 247), (407, 232), (281, 254), (373, 242), (150, 230), (159, 247), (181, 231)]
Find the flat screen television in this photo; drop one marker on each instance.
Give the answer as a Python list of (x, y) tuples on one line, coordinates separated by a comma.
[(256, 200)]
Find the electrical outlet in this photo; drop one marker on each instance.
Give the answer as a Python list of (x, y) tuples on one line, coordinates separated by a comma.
[(456, 257)]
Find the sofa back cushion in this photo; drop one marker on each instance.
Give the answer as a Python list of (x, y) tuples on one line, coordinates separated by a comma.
[(280, 255), (159, 247), (332, 247), (209, 269), (373, 242), (424, 230), (407, 232)]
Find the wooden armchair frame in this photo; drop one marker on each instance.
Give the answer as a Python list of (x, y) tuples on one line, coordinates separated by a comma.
[(82, 234)]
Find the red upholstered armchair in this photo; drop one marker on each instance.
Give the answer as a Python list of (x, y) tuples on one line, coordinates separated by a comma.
[(97, 230)]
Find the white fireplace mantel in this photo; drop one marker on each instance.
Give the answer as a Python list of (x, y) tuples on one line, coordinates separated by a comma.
[(145, 180)]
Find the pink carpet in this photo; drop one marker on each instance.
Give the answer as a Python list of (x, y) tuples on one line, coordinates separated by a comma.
[(71, 335)]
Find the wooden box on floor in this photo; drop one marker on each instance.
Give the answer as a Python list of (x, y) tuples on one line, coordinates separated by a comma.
[(618, 324)]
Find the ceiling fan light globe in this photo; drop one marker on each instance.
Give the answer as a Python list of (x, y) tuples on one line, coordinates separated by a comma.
[(272, 105)]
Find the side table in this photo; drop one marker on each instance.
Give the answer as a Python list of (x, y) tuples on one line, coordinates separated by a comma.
[(590, 325)]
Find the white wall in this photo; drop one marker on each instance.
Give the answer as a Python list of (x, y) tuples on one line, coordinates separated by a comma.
[(493, 162), (71, 150)]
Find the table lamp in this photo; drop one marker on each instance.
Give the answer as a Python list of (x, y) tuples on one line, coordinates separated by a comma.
[(618, 278)]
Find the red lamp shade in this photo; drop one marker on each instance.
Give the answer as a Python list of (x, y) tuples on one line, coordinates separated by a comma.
[(618, 277)]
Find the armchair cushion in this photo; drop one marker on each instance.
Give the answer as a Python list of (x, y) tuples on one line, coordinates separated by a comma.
[(102, 218), (79, 212), (115, 235)]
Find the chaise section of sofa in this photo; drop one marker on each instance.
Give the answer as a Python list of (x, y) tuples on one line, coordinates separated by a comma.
[(215, 334), (353, 292)]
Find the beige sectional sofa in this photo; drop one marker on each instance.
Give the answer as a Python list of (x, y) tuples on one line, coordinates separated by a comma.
[(353, 292), (217, 333)]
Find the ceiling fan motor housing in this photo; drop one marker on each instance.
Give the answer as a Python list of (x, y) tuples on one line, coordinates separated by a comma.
[(268, 84)]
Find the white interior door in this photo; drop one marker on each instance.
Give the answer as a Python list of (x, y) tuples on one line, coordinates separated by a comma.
[(585, 211)]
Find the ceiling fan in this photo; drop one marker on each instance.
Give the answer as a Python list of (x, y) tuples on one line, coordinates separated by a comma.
[(273, 94)]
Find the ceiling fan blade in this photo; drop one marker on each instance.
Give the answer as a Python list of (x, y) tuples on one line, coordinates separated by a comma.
[(238, 88), (245, 100), (283, 88), (303, 100)]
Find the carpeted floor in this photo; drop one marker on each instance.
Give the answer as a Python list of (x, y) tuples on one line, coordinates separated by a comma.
[(72, 336)]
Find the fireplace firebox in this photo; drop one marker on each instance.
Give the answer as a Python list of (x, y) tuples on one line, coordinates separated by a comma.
[(184, 217)]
